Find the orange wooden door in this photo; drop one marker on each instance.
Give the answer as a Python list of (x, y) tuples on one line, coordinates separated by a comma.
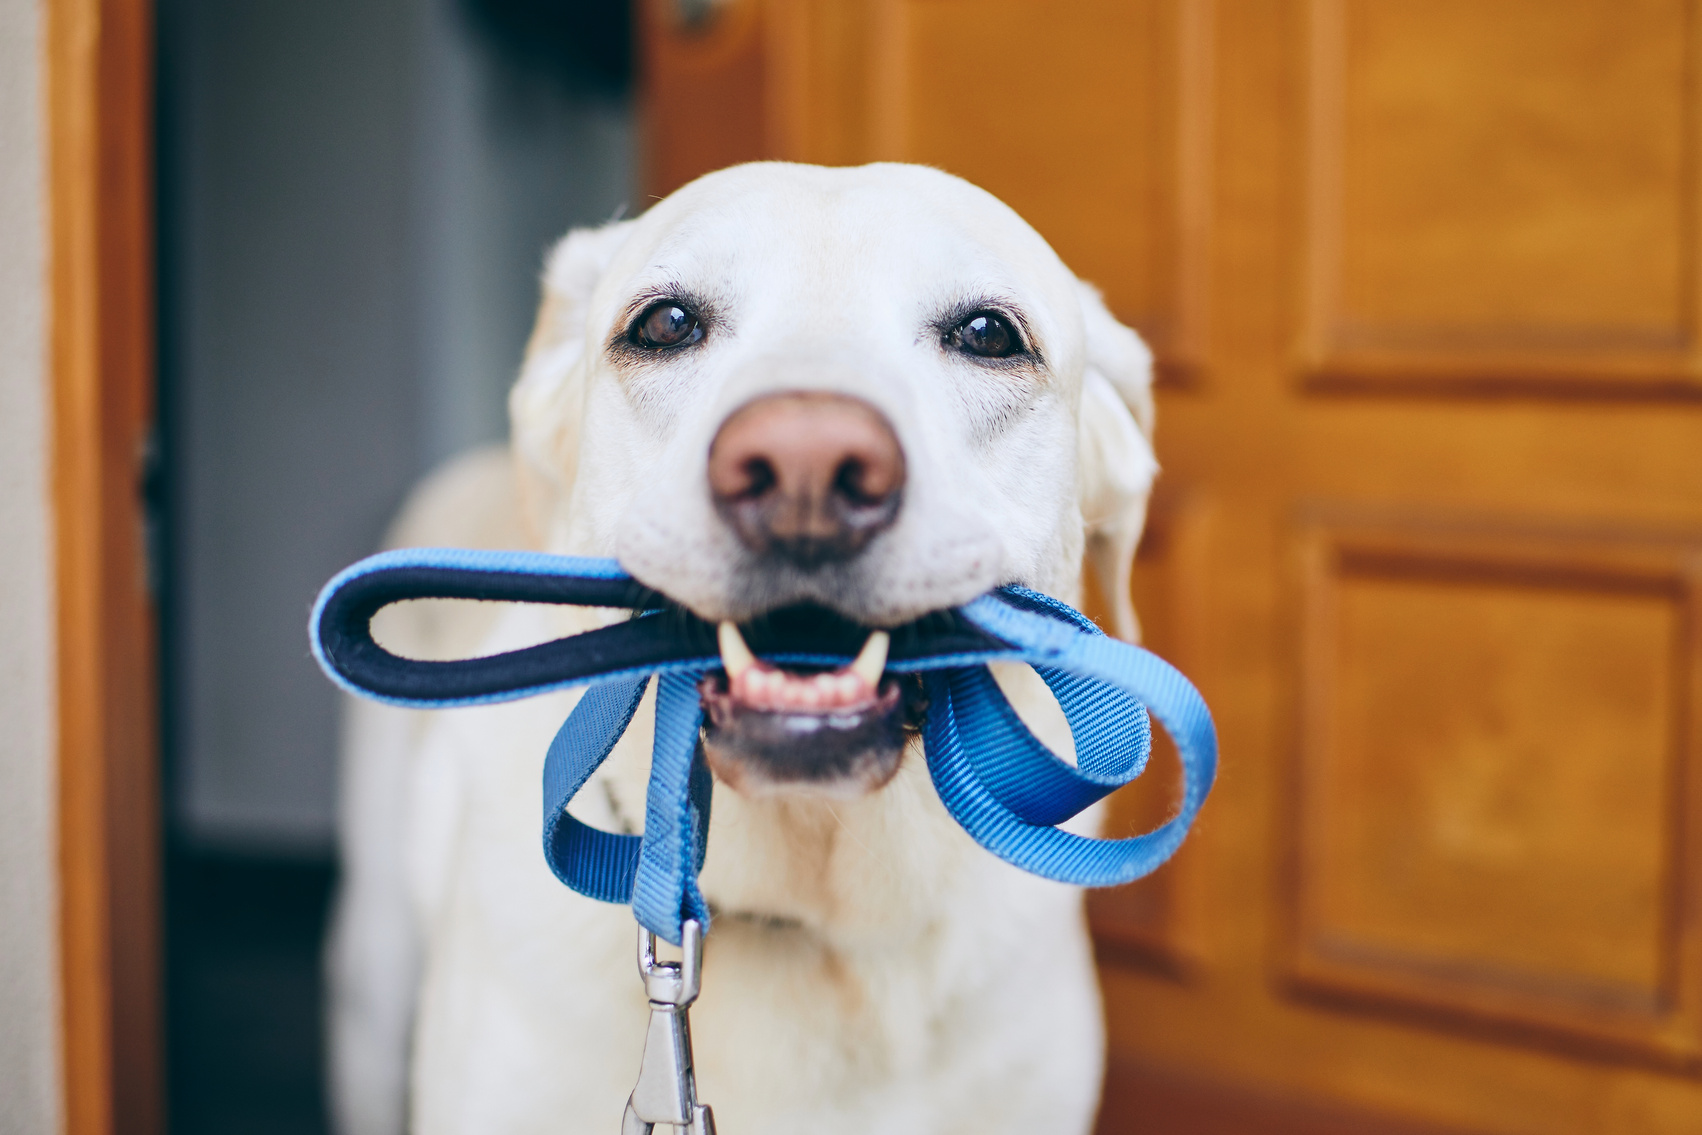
[(1425, 280)]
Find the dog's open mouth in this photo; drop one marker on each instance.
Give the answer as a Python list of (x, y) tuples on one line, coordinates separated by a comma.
[(838, 732)]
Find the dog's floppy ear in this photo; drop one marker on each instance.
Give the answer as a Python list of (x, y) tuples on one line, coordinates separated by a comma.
[(548, 402), (1116, 462)]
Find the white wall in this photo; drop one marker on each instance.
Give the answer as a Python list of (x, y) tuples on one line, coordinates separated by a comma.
[(29, 1094)]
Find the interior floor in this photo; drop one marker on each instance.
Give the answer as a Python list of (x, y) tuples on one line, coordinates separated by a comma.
[(245, 1038)]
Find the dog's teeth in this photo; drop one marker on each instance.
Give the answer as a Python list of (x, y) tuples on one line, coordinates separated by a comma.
[(736, 657), (871, 661)]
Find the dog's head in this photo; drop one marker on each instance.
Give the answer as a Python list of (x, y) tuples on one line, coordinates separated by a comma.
[(874, 391)]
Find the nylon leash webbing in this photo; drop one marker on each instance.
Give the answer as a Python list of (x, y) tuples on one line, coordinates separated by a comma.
[(1006, 789)]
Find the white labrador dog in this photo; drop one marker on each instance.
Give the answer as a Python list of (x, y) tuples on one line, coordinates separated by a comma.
[(873, 389)]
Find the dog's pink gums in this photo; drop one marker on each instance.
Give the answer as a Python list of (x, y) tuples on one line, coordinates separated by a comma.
[(764, 687)]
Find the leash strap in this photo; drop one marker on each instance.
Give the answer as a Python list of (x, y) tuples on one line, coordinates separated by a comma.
[(996, 779)]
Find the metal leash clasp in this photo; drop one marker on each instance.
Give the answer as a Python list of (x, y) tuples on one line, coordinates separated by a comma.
[(667, 1087)]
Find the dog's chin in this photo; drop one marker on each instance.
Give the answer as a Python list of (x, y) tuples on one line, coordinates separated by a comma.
[(838, 752)]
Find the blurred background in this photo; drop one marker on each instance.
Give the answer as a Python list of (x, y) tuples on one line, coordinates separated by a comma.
[(1424, 280), (354, 202)]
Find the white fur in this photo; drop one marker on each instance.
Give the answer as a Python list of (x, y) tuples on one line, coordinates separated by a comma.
[(870, 969)]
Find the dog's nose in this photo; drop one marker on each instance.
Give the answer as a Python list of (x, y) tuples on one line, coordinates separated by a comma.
[(807, 477)]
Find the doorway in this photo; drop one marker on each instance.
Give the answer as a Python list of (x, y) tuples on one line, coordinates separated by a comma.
[(353, 206)]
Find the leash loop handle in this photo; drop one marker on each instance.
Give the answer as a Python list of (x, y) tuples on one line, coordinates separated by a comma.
[(1006, 789)]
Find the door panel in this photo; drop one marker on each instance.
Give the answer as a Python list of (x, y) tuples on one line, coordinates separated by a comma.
[(1422, 279), (1495, 728), (1502, 191)]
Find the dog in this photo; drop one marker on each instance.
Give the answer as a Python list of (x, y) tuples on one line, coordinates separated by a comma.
[(875, 390)]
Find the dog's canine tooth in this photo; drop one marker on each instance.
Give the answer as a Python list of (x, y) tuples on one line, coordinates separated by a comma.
[(871, 660), (736, 657)]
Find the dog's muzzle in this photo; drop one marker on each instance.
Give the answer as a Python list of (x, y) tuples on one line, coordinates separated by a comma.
[(805, 480)]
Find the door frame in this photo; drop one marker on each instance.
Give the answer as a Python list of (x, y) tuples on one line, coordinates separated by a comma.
[(98, 95)]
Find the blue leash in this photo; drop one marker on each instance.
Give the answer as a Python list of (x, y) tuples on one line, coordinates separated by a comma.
[(1006, 789)]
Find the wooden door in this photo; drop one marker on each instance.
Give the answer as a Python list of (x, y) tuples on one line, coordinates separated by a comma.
[(97, 58), (1423, 276)]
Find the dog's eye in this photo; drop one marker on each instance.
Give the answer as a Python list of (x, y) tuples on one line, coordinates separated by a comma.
[(986, 335), (666, 324)]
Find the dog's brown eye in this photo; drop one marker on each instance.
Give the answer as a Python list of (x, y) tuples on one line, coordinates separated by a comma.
[(666, 325), (986, 335)]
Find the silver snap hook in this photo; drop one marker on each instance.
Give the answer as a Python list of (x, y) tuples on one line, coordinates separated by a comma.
[(666, 1092)]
